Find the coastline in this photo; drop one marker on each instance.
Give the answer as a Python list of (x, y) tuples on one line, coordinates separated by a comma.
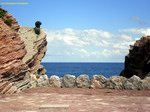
[(77, 68)]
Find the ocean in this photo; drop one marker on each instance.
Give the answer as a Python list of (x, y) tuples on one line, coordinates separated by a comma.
[(106, 69)]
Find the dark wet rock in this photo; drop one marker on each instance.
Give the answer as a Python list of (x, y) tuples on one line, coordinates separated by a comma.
[(137, 62)]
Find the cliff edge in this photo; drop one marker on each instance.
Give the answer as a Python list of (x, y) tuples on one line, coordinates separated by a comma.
[(21, 52), (137, 62)]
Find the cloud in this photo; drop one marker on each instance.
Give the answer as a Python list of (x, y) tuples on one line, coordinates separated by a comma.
[(86, 45), (141, 31), (139, 21), (68, 36)]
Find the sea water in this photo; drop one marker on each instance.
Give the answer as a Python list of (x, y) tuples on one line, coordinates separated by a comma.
[(106, 69)]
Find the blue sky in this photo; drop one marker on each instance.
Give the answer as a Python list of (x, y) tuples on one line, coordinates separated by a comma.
[(86, 30)]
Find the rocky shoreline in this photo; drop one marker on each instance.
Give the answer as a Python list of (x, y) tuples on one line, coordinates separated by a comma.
[(21, 52), (100, 82)]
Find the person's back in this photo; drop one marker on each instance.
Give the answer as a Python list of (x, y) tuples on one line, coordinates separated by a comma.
[(37, 27)]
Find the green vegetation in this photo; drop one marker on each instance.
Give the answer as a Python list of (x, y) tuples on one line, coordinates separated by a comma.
[(8, 22), (2, 13)]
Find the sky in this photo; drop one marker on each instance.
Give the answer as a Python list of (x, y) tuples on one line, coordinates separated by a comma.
[(85, 30)]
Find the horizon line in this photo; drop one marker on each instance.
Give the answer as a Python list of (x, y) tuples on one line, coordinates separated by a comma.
[(82, 62)]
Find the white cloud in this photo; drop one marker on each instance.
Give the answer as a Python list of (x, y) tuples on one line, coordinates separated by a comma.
[(87, 45), (97, 33), (126, 38), (106, 52), (68, 36), (142, 31)]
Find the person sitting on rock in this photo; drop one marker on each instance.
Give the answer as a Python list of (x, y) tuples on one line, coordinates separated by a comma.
[(37, 27)]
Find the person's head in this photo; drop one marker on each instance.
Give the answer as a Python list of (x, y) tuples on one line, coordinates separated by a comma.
[(37, 24)]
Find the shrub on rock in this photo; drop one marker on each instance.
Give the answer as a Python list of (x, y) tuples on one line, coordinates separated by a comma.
[(8, 22)]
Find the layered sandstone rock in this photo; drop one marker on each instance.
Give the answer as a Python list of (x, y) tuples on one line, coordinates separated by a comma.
[(20, 55), (137, 62), (36, 49)]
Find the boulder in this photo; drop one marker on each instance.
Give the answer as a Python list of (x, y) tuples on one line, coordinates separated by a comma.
[(68, 81), (116, 82), (43, 81), (83, 81), (54, 81), (145, 84), (129, 85), (133, 83), (98, 81), (148, 75)]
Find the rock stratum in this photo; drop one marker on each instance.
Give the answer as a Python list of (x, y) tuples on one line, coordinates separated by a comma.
[(137, 62), (21, 52)]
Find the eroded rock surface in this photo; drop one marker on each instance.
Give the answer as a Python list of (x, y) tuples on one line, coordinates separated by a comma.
[(36, 49), (20, 55)]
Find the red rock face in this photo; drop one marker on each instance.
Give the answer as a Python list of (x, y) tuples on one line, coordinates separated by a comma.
[(6, 17), (137, 62), (20, 55), (12, 50)]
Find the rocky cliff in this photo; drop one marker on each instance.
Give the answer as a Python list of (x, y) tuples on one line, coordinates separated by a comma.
[(137, 62), (21, 52)]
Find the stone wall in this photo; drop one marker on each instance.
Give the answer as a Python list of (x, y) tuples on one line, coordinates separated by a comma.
[(100, 82)]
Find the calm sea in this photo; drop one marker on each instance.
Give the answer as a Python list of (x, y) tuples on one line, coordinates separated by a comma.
[(106, 69)]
